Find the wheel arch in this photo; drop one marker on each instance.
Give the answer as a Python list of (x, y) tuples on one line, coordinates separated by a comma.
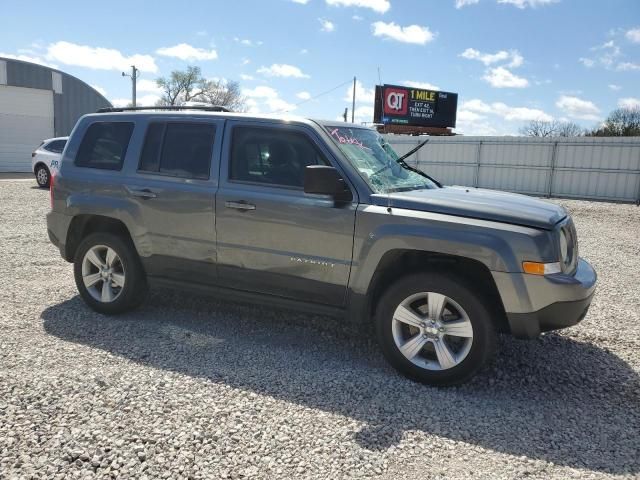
[(399, 263), (85, 224), (40, 163)]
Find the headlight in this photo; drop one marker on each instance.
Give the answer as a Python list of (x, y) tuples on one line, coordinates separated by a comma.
[(564, 248)]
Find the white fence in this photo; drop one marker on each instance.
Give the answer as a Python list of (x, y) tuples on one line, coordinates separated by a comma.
[(581, 167)]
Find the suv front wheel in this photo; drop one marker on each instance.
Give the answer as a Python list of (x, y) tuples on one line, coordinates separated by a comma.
[(108, 274), (434, 329)]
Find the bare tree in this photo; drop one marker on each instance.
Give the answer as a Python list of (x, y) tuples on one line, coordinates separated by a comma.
[(227, 93), (623, 122), (553, 128), (569, 129), (190, 86), (539, 128)]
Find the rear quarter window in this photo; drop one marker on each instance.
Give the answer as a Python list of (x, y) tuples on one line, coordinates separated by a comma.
[(104, 145), (57, 146)]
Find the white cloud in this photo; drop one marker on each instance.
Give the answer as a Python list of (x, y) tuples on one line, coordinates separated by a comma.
[(301, 2), (245, 61), (282, 70), (244, 76), (587, 62), (326, 25), (98, 58), (28, 58), (303, 95), (146, 85), (120, 102), (422, 85), (500, 77), (97, 88), (409, 34), (628, 66), (528, 3), (633, 35), (577, 108), (606, 55), (614, 87), (519, 113), (380, 6), (490, 58), (147, 100), (363, 114), (304, 51), (629, 102), (247, 42), (464, 3), (184, 51), (472, 110), (363, 94), (267, 98), (143, 101), (357, 18)]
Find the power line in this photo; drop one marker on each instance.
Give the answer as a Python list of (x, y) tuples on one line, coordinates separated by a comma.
[(314, 97)]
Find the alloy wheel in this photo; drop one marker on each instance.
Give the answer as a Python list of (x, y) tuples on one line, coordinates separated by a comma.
[(103, 273), (432, 331)]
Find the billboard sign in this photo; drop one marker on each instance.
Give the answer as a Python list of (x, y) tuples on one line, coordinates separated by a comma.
[(396, 105)]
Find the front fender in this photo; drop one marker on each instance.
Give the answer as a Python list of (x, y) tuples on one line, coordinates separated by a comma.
[(500, 247)]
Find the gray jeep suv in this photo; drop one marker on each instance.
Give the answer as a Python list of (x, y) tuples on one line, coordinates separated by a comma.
[(322, 216)]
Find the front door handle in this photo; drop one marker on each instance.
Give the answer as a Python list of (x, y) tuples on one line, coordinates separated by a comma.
[(240, 205), (142, 193)]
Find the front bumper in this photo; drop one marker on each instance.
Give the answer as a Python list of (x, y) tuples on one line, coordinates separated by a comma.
[(536, 304)]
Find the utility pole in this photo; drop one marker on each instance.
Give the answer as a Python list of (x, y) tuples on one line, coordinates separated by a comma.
[(353, 104), (134, 78), (344, 115)]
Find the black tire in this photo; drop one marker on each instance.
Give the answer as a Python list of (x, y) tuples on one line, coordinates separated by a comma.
[(133, 293), (483, 343), (43, 176)]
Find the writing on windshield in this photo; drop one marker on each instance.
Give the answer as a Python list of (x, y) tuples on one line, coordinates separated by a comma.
[(375, 160)]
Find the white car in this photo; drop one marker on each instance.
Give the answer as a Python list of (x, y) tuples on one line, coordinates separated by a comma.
[(46, 159)]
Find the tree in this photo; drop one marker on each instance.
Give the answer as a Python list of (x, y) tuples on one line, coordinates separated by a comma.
[(553, 128), (190, 86), (538, 128), (622, 122)]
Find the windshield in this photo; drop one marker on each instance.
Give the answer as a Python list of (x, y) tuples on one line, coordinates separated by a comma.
[(374, 158)]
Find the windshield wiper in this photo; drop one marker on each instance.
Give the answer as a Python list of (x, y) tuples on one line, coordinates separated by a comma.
[(406, 166)]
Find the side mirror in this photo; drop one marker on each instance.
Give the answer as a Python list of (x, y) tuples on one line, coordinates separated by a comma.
[(325, 180)]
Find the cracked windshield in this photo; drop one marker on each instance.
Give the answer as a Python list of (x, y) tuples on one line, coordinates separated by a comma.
[(376, 161)]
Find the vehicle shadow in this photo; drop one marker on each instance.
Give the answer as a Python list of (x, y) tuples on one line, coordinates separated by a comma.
[(554, 399)]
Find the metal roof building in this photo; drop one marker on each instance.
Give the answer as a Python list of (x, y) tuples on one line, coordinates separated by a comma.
[(38, 102)]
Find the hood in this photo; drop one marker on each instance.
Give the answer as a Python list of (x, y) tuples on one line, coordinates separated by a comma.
[(479, 203)]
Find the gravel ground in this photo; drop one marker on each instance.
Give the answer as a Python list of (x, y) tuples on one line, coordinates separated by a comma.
[(199, 388)]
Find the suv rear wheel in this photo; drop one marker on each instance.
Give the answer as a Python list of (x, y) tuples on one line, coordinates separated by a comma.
[(42, 176), (434, 329), (108, 274)]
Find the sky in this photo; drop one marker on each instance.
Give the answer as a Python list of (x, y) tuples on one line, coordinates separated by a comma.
[(510, 61)]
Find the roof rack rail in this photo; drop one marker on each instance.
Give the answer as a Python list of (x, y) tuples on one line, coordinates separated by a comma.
[(212, 108)]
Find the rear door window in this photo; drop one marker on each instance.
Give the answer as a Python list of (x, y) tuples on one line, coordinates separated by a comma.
[(178, 149), (104, 145)]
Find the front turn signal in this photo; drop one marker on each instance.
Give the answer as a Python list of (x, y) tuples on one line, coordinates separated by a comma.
[(537, 268)]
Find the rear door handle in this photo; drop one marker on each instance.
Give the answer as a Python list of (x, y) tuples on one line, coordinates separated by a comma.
[(142, 193), (240, 205)]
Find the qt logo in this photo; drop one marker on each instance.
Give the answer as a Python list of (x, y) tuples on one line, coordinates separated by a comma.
[(396, 101)]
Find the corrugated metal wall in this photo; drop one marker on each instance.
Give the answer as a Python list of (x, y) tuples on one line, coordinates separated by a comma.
[(76, 99), (581, 167)]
